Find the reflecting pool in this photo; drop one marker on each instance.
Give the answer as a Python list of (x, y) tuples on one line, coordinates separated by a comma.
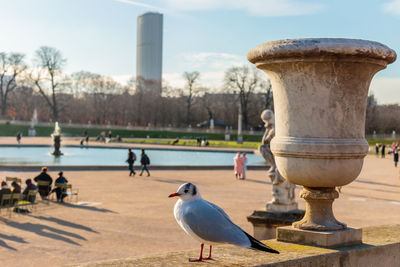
[(95, 156)]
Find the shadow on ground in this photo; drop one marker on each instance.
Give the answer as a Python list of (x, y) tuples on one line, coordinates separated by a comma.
[(376, 183), (257, 181), (11, 238), (65, 223), (47, 231), (368, 197), (375, 189), (91, 208), (170, 181)]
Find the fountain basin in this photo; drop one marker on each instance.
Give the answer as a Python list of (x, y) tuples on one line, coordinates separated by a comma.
[(14, 156)]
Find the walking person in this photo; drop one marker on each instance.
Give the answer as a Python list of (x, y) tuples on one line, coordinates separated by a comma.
[(19, 135), (396, 155), (131, 160), (377, 146), (383, 150), (144, 160), (244, 160)]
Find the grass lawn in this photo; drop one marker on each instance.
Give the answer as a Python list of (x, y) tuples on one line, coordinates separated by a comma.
[(191, 142)]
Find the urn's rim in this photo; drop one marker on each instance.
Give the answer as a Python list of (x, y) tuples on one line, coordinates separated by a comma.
[(308, 47)]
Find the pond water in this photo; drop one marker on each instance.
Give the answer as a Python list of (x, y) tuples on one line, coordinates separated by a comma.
[(92, 156)]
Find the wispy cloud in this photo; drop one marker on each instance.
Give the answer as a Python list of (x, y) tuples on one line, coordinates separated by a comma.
[(211, 60), (211, 65), (392, 7), (209, 79), (139, 4), (122, 79), (386, 90), (159, 8), (267, 8)]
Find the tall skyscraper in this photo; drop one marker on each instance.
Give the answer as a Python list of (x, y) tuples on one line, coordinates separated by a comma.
[(149, 52)]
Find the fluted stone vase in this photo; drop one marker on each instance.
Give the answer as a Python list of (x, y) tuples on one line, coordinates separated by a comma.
[(320, 91)]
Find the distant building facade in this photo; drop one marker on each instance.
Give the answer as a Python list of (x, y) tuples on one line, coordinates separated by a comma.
[(149, 52)]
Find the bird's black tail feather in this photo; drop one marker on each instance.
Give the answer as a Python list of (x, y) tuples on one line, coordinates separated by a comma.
[(257, 245)]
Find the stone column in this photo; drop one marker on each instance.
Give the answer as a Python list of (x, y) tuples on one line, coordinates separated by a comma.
[(320, 91)]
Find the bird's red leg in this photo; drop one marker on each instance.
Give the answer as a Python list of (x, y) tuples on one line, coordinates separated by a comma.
[(209, 255), (201, 254)]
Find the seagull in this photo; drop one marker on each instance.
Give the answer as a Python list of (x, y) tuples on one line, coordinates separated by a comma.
[(208, 223)]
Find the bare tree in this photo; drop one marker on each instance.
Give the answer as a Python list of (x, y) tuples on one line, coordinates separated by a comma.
[(371, 114), (268, 95), (11, 66), (48, 78), (191, 78), (99, 92), (244, 82)]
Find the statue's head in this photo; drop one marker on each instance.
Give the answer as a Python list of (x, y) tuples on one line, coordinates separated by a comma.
[(268, 117)]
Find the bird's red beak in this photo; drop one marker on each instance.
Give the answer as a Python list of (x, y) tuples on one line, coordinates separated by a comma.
[(174, 195)]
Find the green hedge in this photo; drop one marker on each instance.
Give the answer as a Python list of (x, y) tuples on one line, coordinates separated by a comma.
[(190, 142), (11, 130)]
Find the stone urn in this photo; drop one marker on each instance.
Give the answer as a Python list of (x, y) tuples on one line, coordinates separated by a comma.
[(320, 91)]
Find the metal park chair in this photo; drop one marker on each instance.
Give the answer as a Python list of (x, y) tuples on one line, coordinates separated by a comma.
[(6, 203), (68, 191), (31, 202), (14, 179), (44, 184)]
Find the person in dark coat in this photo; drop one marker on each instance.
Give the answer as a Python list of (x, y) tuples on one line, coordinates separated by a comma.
[(29, 186), (383, 150), (144, 160), (396, 155), (16, 187), (131, 160), (19, 135), (4, 191), (43, 176), (60, 192)]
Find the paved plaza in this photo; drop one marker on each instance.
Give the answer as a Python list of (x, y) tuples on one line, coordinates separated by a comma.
[(118, 216)]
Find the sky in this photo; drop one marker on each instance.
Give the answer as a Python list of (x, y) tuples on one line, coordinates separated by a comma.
[(208, 36)]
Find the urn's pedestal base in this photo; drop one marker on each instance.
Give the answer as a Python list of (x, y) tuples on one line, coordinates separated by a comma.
[(348, 236), (319, 214), (265, 222)]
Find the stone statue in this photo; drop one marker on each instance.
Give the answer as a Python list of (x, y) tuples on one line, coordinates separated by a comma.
[(283, 197), (56, 135), (31, 130)]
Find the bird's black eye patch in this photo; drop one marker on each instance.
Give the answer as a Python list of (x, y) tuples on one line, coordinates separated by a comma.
[(194, 191), (185, 191)]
